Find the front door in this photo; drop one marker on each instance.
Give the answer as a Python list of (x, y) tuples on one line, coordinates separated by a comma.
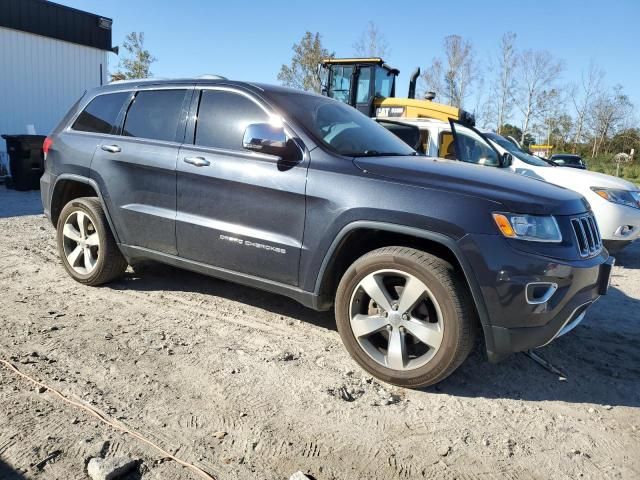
[(237, 210)]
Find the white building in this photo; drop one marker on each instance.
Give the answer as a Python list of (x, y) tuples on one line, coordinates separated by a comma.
[(50, 55)]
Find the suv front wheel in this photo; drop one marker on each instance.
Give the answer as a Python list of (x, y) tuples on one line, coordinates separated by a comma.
[(405, 316), (86, 245)]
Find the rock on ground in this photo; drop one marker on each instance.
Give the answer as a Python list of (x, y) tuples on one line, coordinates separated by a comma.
[(110, 468)]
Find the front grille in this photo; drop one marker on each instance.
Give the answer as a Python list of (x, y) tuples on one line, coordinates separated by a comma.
[(587, 235)]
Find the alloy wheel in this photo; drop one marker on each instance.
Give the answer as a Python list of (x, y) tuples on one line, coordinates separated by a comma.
[(396, 319), (81, 242)]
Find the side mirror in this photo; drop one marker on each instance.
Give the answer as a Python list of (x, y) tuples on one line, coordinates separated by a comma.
[(506, 160), (265, 138)]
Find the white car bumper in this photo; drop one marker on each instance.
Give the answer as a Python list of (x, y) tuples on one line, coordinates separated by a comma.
[(616, 222)]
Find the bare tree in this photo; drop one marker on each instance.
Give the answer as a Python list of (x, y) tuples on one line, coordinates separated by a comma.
[(551, 108), (138, 63), (537, 72), (582, 96), (610, 111), (303, 72), (504, 84), (372, 43), (453, 78)]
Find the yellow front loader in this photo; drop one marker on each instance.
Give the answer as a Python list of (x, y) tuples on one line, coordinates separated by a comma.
[(369, 85)]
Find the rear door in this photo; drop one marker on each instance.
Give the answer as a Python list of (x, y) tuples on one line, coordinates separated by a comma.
[(137, 167), (238, 210)]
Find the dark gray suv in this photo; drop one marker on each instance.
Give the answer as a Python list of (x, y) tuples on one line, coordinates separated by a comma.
[(306, 197)]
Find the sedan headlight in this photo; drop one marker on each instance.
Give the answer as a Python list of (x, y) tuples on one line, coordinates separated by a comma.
[(623, 197), (537, 228)]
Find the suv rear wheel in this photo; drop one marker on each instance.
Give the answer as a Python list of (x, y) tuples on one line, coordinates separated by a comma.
[(405, 316), (86, 245)]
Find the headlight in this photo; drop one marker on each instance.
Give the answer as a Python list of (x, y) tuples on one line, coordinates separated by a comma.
[(623, 197), (536, 228)]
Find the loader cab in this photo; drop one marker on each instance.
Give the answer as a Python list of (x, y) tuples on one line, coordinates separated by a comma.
[(358, 82)]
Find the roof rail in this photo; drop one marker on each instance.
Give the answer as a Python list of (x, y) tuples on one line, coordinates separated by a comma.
[(209, 76), (137, 80)]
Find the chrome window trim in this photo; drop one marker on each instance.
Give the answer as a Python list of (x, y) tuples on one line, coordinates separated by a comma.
[(69, 129), (290, 132)]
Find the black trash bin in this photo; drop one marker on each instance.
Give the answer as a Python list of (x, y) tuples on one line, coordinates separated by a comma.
[(26, 160)]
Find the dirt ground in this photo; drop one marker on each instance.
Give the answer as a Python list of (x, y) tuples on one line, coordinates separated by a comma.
[(184, 359)]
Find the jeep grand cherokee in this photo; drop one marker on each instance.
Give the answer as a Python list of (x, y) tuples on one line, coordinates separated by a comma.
[(306, 197)]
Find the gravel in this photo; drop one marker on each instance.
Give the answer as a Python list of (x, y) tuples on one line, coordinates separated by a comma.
[(276, 380)]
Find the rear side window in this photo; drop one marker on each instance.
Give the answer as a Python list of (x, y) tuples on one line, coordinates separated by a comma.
[(154, 114), (222, 118), (101, 114)]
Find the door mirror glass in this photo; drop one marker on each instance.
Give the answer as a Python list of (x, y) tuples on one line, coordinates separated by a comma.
[(506, 160), (471, 146), (271, 140)]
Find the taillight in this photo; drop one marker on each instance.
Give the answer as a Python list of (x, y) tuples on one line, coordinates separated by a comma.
[(46, 145)]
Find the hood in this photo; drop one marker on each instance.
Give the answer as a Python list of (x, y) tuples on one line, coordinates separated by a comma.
[(518, 194), (587, 178)]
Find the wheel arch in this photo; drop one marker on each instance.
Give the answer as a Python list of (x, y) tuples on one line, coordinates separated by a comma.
[(360, 237), (69, 187)]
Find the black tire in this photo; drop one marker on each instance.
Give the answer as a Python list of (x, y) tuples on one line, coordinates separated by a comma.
[(459, 318), (110, 263)]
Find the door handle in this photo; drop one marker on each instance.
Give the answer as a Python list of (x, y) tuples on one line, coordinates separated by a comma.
[(197, 161), (111, 148)]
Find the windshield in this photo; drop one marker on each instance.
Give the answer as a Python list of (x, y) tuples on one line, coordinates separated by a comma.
[(513, 149), (567, 159), (341, 128)]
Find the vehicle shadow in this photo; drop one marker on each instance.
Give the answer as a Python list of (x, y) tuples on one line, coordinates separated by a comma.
[(629, 257), (18, 204), (600, 357), (8, 473), (159, 277)]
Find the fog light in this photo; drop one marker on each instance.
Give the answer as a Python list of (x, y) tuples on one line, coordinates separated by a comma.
[(624, 230), (540, 292)]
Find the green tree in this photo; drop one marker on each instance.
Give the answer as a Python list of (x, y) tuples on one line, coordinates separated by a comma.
[(138, 62), (625, 141), (508, 130), (303, 72)]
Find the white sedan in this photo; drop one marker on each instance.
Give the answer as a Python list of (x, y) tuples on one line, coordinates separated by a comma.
[(615, 202)]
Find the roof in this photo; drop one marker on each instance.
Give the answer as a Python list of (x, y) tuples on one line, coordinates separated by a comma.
[(331, 60), (52, 20), (119, 85), (366, 60)]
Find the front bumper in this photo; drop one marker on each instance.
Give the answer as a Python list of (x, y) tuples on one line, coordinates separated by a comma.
[(516, 322), (618, 224)]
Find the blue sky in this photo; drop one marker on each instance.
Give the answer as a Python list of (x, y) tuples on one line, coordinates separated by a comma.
[(249, 40)]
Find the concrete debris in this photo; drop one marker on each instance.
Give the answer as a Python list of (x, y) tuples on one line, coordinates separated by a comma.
[(299, 476), (110, 468)]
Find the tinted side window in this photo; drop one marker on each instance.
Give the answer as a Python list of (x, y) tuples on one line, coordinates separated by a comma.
[(101, 113), (154, 114), (223, 117)]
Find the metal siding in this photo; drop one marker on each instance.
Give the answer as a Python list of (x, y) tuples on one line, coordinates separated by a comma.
[(40, 78)]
